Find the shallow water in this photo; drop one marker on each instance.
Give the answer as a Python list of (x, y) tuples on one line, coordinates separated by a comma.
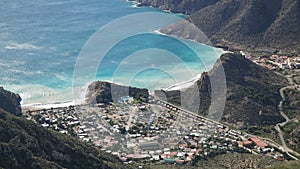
[(41, 40)]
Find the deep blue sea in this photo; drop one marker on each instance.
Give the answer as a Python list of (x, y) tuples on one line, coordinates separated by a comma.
[(40, 41)]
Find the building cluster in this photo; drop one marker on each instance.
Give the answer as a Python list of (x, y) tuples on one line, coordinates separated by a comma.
[(274, 62), (155, 131), (64, 120)]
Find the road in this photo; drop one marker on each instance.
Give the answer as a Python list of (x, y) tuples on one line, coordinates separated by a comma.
[(283, 147), (189, 113), (281, 105), (132, 111), (277, 126)]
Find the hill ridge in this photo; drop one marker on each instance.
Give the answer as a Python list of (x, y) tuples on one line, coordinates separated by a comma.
[(253, 25)]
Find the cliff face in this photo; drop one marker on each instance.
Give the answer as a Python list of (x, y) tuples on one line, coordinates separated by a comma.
[(178, 6), (252, 24), (10, 102), (252, 93), (105, 92)]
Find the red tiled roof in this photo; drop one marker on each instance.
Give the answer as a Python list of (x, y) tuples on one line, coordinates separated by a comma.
[(258, 142), (247, 142), (280, 159), (180, 161)]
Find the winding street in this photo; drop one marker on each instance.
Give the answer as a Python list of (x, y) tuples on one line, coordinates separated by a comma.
[(281, 105), (277, 127)]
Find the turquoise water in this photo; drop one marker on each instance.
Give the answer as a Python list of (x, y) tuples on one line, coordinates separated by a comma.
[(41, 40)]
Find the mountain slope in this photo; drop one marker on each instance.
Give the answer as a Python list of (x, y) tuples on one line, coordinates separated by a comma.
[(179, 6), (24, 144), (252, 93), (253, 24), (261, 25)]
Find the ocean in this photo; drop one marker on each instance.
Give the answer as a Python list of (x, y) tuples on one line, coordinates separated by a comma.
[(40, 42)]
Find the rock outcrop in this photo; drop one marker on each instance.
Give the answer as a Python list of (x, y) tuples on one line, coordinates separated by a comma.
[(106, 92), (178, 6), (10, 102)]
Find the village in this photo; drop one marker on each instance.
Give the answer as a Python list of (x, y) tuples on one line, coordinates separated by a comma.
[(275, 62), (153, 131)]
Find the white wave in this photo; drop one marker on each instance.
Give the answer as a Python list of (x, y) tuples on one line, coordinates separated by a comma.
[(24, 72), (25, 96), (12, 64), (159, 32), (38, 94), (79, 94), (134, 4), (3, 64), (61, 77), (22, 46), (184, 84), (50, 105)]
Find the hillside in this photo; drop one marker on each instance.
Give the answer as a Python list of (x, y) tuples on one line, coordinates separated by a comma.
[(291, 107), (252, 93), (253, 24), (24, 144), (239, 161), (178, 6), (261, 25)]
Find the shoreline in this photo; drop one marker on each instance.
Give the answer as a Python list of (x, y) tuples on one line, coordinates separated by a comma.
[(178, 86), (66, 103), (48, 105), (184, 84), (223, 48), (188, 83)]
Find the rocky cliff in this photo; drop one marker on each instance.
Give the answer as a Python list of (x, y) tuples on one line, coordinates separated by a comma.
[(10, 102), (105, 92)]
